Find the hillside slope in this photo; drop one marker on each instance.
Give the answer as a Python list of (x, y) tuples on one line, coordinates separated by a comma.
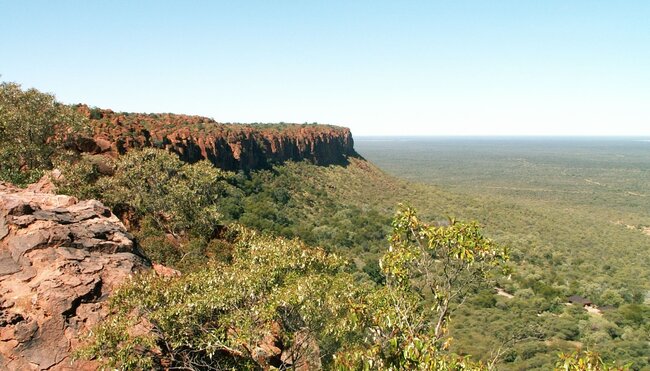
[(331, 207), (306, 182)]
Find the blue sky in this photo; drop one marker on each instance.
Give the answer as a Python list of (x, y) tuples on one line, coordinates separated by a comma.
[(379, 67)]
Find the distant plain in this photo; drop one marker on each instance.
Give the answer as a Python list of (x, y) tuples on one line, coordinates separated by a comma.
[(589, 195)]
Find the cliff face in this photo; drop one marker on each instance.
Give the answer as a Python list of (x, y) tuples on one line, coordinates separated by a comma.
[(59, 260), (227, 146)]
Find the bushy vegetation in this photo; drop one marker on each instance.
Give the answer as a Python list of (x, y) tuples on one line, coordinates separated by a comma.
[(177, 196), (344, 209), (283, 201), (222, 315), (34, 131), (429, 272), (569, 211), (172, 207), (395, 315), (160, 197), (587, 361)]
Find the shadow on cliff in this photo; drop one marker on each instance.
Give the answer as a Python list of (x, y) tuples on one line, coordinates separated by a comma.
[(251, 154), (232, 147)]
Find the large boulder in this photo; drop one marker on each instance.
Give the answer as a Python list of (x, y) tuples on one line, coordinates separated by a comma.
[(59, 260)]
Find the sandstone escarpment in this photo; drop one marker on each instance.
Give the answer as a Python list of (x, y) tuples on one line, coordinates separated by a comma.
[(59, 260), (227, 146)]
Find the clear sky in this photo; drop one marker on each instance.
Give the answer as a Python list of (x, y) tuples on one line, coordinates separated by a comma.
[(483, 67)]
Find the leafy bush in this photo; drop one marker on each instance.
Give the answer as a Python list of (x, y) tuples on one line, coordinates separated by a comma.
[(34, 130), (429, 271), (220, 314), (79, 178), (373, 270), (177, 196), (172, 208), (585, 361), (155, 244), (274, 287)]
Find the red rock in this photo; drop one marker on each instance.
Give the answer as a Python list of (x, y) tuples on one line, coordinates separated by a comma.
[(59, 260), (227, 146), (163, 271), (103, 145)]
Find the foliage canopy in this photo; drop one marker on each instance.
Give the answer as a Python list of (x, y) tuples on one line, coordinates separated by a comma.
[(34, 130), (222, 314)]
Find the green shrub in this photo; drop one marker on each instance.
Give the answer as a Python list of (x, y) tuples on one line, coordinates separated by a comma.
[(34, 130), (585, 361), (219, 314), (156, 245), (178, 197), (79, 178), (373, 270)]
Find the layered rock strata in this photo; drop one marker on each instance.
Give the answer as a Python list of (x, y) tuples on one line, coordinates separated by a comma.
[(228, 146), (59, 260)]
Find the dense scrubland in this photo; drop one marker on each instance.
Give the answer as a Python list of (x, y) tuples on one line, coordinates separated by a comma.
[(573, 210), (334, 265)]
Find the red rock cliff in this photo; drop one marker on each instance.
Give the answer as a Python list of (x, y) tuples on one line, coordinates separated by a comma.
[(227, 146)]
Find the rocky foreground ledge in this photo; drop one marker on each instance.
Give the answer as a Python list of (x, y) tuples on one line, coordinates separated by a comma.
[(59, 260)]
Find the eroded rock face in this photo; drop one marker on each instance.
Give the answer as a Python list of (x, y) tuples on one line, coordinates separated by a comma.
[(227, 146), (59, 260)]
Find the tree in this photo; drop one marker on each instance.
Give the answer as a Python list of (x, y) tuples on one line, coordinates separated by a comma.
[(221, 316), (34, 130), (177, 196), (277, 303), (441, 264), (611, 297), (429, 271), (585, 361)]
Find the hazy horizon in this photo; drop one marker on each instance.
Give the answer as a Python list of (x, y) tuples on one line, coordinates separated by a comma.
[(469, 136)]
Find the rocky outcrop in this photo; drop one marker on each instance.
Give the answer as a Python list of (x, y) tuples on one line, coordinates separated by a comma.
[(302, 355), (59, 260), (227, 146)]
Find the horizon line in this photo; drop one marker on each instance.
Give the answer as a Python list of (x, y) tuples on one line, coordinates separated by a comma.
[(502, 135)]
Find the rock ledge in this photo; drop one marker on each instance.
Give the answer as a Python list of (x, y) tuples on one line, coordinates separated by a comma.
[(59, 260)]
